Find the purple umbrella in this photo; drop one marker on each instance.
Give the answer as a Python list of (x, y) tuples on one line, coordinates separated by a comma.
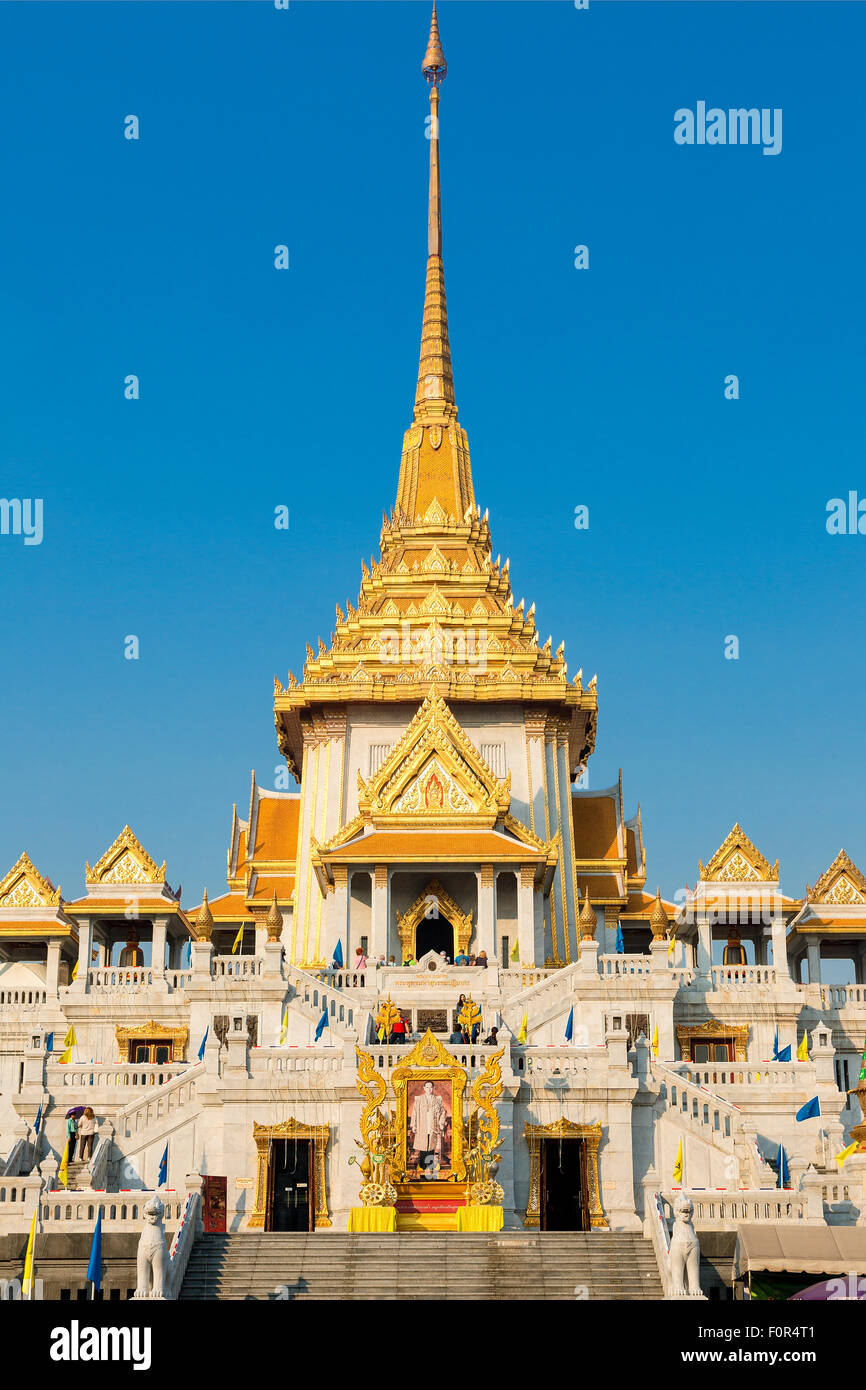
[(76, 1111), (829, 1290)]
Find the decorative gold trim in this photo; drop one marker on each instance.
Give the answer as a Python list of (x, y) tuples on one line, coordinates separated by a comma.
[(408, 923), (714, 1029), (842, 883), (289, 1129), (429, 1061), (151, 1029), (565, 1129), (40, 891), (737, 860), (126, 846)]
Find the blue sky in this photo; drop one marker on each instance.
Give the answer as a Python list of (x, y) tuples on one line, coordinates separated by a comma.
[(260, 388)]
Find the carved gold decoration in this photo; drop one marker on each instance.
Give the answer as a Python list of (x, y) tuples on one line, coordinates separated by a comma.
[(434, 894), (658, 918), (290, 1129), (706, 1032), (430, 1061), (565, 1130), (842, 883), (24, 886), (737, 861), (125, 861), (485, 1091), (587, 919), (150, 1030), (274, 920), (204, 920)]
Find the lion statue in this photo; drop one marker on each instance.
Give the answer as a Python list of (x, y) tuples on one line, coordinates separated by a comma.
[(152, 1261), (685, 1253)]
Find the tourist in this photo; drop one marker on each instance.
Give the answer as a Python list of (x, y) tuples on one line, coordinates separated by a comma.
[(471, 960), (360, 959), (492, 1039), (398, 1029), (461, 959), (71, 1131), (456, 1037), (86, 1133), (410, 960), (481, 962)]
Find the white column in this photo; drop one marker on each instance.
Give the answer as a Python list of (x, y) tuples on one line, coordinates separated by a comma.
[(705, 945), (85, 948), (486, 925), (611, 919), (339, 905), (52, 967), (780, 948), (379, 926), (813, 949), (526, 914), (157, 950)]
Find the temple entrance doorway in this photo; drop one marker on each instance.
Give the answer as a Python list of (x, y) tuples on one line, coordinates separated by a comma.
[(291, 1203), (434, 934), (564, 1185)]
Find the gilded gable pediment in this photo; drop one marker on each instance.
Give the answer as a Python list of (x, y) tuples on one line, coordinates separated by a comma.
[(737, 860), (842, 883), (125, 861), (24, 886)]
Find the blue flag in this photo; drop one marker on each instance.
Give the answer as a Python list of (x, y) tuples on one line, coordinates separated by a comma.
[(188, 954), (338, 955), (322, 1023), (784, 1172), (620, 944), (785, 1054), (809, 1111), (569, 1027), (203, 1041), (163, 1169), (49, 1042), (94, 1268), (776, 1046), (38, 1120)]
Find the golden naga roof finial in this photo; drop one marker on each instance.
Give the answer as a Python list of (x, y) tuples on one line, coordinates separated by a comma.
[(658, 918), (204, 920), (434, 66), (587, 919), (274, 920)]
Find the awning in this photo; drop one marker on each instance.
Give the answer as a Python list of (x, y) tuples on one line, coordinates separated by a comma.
[(797, 1248)]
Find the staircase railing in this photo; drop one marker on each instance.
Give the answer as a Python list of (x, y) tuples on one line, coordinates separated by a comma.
[(181, 1246)]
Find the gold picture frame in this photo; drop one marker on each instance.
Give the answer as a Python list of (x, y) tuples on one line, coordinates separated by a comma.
[(430, 1061)]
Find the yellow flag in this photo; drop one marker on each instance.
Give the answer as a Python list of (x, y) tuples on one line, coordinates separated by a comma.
[(803, 1049), (238, 940), (63, 1170), (521, 1036), (515, 951), (678, 1164), (284, 1028), (672, 946), (66, 1057), (75, 971), (28, 1258), (655, 1042), (846, 1153), (70, 1040)]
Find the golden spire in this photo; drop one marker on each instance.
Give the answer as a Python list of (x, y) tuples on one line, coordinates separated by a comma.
[(658, 918), (204, 920), (435, 463), (587, 919), (274, 920)]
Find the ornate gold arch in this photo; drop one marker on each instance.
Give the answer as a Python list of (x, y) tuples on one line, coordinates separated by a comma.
[(290, 1129), (706, 1032), (430, 1061), (136, 1032), (565, 1129), (407, 924)]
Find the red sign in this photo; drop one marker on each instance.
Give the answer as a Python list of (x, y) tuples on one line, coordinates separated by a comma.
[(214, 1204)]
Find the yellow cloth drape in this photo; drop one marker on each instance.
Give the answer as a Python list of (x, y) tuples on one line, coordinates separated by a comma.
[(480, 1218), (373, 1219)]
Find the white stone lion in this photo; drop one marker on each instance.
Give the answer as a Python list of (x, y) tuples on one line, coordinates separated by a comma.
[(685, 1252), (152, 1260)]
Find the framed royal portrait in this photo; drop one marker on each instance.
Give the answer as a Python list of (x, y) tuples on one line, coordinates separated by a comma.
[(429, 1085)]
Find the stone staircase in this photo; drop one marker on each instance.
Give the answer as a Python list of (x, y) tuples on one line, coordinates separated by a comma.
[(438, 1265)]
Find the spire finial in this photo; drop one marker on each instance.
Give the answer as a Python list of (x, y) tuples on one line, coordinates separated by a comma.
[(434, 66)]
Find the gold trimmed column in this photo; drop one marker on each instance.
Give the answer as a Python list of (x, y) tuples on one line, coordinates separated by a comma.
[(486, 933), (379, 912), (526, 914)]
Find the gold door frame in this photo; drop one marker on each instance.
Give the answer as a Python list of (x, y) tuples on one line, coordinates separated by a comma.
[(564, 1129), (408, 922), (688, 1033), (430, 1061), (290, 1129), (141, 1032)]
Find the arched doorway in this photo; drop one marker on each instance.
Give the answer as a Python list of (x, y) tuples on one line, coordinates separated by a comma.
[(434, 934)]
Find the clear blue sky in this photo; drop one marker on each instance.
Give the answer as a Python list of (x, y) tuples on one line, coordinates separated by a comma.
[(707, 517)]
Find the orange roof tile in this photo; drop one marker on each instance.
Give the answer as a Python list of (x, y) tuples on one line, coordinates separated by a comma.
[(277, 828), (442, 845), (594, 820), (601, 886)]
